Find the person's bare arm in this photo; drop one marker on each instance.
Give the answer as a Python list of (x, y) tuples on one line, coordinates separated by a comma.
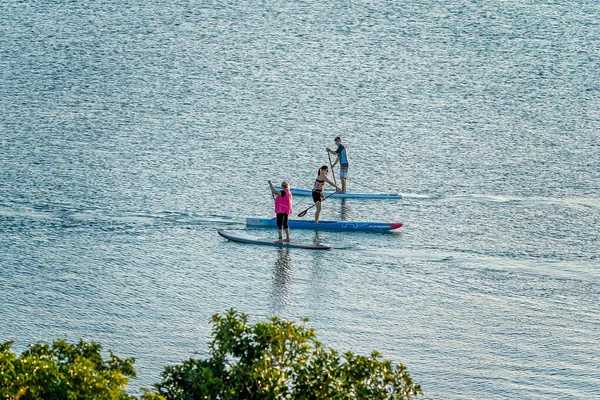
[(275, 192), (333, 184)]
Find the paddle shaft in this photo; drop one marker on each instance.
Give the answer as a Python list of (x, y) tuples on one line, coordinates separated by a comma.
[(332, 172), (303, 213), (273, 196)]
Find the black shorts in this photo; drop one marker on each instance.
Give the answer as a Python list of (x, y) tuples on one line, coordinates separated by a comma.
[(317, 195), (282, 221)]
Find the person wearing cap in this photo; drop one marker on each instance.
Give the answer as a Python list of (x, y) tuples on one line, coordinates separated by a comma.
[(283, 208), (342, 158)]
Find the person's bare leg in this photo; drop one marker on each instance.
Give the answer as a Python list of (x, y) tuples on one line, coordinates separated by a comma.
[(343, 185), (287, 235), (318, 212)]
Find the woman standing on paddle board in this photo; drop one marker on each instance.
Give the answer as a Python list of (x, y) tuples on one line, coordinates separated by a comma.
[(317, 192), (283, 208)]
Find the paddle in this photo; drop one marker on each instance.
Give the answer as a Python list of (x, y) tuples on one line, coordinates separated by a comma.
[(332, 172), (303, 213), (272, 195)]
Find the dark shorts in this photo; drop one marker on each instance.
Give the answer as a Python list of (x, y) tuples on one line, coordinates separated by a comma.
[(317, 196), (282, 221)]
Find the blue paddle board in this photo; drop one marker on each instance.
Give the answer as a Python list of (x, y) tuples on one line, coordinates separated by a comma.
[(326, 225), (347, 195)]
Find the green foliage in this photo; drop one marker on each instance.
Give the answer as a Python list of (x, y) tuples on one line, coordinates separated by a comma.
[(269, 360), (281, 360), (63, 371)]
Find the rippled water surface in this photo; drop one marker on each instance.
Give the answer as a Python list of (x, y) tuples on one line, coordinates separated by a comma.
[(130, 132)]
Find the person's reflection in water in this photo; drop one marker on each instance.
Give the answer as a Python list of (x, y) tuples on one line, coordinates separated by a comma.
[(282, 279), (319, 238), (345, 210), (318, 276)]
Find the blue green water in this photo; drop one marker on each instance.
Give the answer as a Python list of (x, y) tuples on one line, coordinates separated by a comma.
[(130, 132)]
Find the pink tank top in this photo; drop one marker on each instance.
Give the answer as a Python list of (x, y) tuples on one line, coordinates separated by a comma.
[(283, 205)]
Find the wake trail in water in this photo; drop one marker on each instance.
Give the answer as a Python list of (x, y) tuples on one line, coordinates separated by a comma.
[(573, 202), (563, 269), (98, 216)]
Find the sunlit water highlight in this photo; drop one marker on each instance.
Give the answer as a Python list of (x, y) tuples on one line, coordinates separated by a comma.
[(130, 132)]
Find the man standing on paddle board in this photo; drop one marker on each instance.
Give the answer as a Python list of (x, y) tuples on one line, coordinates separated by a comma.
[(283, 208), (342, 158)]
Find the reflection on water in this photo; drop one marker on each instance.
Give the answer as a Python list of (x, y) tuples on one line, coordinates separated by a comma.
[(108, 214), (318, 256), (344, 210), (282, 279), (318, 238)]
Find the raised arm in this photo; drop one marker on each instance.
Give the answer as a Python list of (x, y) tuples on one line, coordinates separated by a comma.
[(275, 192)]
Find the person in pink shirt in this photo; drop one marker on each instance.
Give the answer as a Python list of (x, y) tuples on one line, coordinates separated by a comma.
[(283, 208)]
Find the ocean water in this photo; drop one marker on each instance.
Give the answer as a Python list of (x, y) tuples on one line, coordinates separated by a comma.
[(130, 132)]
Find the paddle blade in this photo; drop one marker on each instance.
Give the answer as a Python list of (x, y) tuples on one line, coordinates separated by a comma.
[(303, 213)]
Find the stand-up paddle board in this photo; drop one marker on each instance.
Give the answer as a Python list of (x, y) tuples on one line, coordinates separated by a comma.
[(236, 237), (347, 195), (326, 225)]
